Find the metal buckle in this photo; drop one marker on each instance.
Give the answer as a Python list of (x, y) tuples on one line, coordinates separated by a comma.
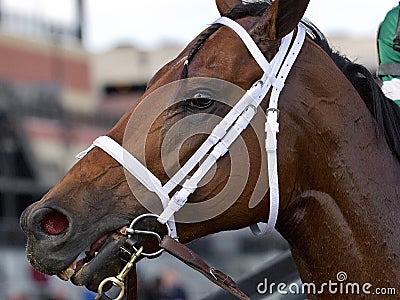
[(130, 230), (272, 109), (118, 280), (212, 270)]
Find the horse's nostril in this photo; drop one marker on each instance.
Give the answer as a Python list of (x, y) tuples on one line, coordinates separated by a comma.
[(54, 223)]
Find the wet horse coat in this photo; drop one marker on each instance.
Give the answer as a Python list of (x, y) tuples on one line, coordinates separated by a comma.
[(338, 160)]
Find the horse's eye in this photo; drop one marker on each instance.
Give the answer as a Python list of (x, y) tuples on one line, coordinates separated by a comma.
[(200, 100)]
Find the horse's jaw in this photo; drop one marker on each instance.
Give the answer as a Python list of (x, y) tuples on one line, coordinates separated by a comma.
[(92, 273)]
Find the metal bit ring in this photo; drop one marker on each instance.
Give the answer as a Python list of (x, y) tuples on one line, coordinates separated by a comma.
[(130, 230)]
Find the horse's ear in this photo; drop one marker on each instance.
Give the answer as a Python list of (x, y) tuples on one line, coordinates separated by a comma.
[(225, 6), (281, 18)]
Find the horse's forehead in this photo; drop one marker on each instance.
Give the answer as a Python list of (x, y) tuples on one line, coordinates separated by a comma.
[(216, 39)]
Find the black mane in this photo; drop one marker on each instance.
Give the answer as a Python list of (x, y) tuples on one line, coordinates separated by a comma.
[(385, 111)]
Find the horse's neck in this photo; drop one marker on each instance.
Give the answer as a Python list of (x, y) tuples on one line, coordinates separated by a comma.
[(362, 240), (346, 215)]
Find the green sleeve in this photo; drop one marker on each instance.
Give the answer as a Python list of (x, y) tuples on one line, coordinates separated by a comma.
[(385, 39)]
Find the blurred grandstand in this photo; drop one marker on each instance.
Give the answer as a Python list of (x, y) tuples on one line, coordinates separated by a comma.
[(55, 98)]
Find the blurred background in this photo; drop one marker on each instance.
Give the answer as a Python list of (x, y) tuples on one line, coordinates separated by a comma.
[(69, 69)]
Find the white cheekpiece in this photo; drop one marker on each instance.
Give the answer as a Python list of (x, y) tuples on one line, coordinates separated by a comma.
[(224, 134)]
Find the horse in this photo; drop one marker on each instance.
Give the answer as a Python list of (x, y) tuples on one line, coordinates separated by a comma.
[(338, 160)]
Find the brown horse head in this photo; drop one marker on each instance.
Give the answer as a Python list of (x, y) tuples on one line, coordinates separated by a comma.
[(326, 135)]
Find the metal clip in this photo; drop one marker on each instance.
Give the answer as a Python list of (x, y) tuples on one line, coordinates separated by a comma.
[(212, 270), (118, 280)]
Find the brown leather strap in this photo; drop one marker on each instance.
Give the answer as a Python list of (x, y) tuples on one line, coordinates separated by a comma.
[(125, 253), (190, 258), (185, 255), (131, 282)]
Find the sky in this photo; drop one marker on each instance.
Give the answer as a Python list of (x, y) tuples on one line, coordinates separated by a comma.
[(147, 24)]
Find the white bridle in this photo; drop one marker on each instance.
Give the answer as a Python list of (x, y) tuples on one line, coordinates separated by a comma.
[(224, 134)]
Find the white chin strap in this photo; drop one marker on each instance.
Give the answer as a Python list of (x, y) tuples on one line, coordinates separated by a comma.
[(224, 134)]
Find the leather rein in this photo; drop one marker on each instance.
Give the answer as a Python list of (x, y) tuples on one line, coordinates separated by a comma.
[(126, 280), (223, 135)]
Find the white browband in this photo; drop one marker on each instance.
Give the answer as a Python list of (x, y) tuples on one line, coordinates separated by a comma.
[(224, 134)]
